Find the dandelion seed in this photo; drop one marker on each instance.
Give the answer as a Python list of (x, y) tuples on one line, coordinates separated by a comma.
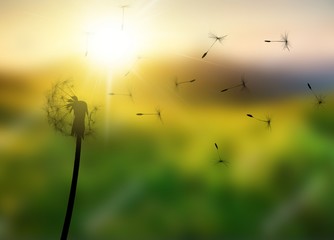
[(284, 40), (216, 38), (267, 120), (220, 159), (319, 99), (156, 113), (122, 94), (177, 83), (242, 85)]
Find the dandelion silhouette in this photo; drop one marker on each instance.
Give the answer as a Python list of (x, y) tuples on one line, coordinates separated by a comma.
[(242, 85), (319, 99), (284, 40), (220, 159), (177, 83), (61, 102), (216, 38), (267, 120), (123, 94), (123, 12), (156, 113)]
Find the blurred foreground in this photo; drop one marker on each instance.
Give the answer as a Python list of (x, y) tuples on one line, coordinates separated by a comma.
[(141, 179)]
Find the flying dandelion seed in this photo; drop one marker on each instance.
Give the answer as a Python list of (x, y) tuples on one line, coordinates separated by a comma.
[(123, 13), (123, 94), (156, 113), (177, 83), (267, 120), (319, 98), (216, 38), (220, 159), (242, 85), (61, 102), (284, 40)]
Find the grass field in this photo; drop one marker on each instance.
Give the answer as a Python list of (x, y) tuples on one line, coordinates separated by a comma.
[(141, 179)]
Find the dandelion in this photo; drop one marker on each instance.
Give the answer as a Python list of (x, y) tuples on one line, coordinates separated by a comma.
[(319, 98), (220, 159), (61, 102), (242, 85), (156, 113), (216, 38), (267, 120), (284, 40), (177, 83)]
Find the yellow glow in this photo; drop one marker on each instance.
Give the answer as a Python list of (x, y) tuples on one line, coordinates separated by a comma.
[(112, 46)]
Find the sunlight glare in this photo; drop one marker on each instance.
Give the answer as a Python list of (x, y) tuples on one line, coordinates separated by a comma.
[(113, 46)]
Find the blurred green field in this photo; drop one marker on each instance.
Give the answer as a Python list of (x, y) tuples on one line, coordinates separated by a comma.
[(145, 180)]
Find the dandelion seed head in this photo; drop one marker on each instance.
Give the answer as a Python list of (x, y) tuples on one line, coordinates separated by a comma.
[(217, 38), (268, 121), (59, 105), (320, 100), (285, 40)]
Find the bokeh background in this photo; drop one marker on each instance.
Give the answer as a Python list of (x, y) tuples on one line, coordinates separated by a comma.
[(142, 178)]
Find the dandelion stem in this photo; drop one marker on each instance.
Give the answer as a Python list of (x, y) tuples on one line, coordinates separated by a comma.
[(224, 90), (274, 41), (71, 198), (242, 85), (183, 82), (220, 159), (212, 45), (218, 152), (190, 81), (318, 98)]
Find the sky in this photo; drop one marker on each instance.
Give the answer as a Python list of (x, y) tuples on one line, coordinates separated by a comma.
[(40, 31)]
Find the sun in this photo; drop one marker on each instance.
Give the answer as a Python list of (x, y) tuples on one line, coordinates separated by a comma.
[(112, 46)]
